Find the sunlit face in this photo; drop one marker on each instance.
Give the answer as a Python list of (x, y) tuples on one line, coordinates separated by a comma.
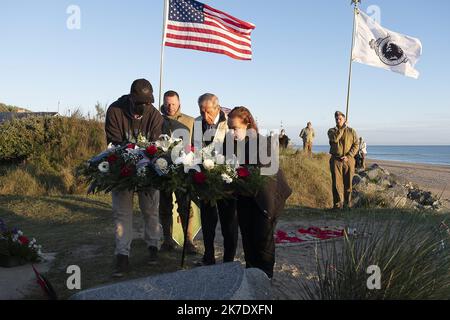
[(239, 128), (210, 110), (340, 121), (172, 105)]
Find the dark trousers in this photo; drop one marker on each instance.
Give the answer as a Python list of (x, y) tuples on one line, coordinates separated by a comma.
[(226, 212), (257, 231), (166, 213)]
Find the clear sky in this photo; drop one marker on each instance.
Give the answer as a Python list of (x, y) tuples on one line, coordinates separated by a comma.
[(299, 72)]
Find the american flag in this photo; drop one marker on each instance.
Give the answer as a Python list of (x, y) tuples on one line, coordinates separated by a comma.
[(197, 26)]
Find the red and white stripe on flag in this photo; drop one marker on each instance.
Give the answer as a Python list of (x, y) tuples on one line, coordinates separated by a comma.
[(197, 26)]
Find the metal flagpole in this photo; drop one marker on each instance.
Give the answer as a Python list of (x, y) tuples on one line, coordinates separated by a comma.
[(161, 71), (185, 230), (356, 9)]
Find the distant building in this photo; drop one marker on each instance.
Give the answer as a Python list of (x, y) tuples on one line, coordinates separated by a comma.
[(7, 116)]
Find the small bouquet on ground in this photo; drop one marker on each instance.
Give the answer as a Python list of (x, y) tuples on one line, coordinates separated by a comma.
[(17, 249)]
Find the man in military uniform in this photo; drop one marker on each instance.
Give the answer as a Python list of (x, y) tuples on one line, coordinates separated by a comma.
[(344, 145), (308, 135)]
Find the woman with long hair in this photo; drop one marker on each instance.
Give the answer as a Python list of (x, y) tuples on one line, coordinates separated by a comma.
[(257, 215)]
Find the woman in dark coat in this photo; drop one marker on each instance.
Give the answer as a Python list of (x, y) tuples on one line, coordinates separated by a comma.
[(257, 215)]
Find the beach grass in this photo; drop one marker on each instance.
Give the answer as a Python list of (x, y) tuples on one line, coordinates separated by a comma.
[(410, 251), (309, 178)]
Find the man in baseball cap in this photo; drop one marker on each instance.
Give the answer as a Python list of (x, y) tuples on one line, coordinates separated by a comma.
[(128, 119)]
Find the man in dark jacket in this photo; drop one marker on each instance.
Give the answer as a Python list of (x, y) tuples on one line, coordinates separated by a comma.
[(284, 140), (128, 120), (212, 128)]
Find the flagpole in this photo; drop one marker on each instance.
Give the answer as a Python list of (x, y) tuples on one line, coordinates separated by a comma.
[(355, 12), (161, 71)]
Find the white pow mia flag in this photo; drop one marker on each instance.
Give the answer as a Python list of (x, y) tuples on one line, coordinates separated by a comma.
[(382, 48)]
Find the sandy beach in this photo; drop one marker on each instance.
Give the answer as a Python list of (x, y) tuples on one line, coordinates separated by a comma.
[(433, 178)]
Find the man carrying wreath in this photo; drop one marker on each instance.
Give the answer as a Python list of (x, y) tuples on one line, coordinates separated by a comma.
[(128, 119), (210, 130), (175, 120)]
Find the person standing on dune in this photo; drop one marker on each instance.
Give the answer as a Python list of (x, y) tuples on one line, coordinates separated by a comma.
[(344, 146), (308, 135)]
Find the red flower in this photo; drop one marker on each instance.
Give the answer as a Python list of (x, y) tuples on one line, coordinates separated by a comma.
[(243, 173), (126, 172), (24, 240), (112, 159), (190, 149), (131, 146), (152, 150), (199, 178)]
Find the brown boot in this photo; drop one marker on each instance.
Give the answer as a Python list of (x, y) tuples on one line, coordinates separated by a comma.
[(122, 266)]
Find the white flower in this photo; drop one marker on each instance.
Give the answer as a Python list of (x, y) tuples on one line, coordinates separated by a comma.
[(234, 162), (103, 167), (141, 172), (19, 233), (162, 164), (220, 159), (227, 178), (190, 162), (111, 147), (165, 142), (134, 151), (208, 164)]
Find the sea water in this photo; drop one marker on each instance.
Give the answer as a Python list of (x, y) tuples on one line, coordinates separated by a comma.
[(439, 155)]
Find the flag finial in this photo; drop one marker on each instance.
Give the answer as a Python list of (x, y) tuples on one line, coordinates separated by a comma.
[(356, 3)]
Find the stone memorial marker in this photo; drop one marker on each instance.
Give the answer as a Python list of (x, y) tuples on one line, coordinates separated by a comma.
[(228, 281)]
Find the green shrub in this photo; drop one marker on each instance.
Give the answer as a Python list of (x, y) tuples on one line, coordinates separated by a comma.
[(20, 139), (46, 150), (8, 108)]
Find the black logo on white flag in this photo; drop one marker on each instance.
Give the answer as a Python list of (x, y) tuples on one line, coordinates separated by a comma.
[(389, 52)]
